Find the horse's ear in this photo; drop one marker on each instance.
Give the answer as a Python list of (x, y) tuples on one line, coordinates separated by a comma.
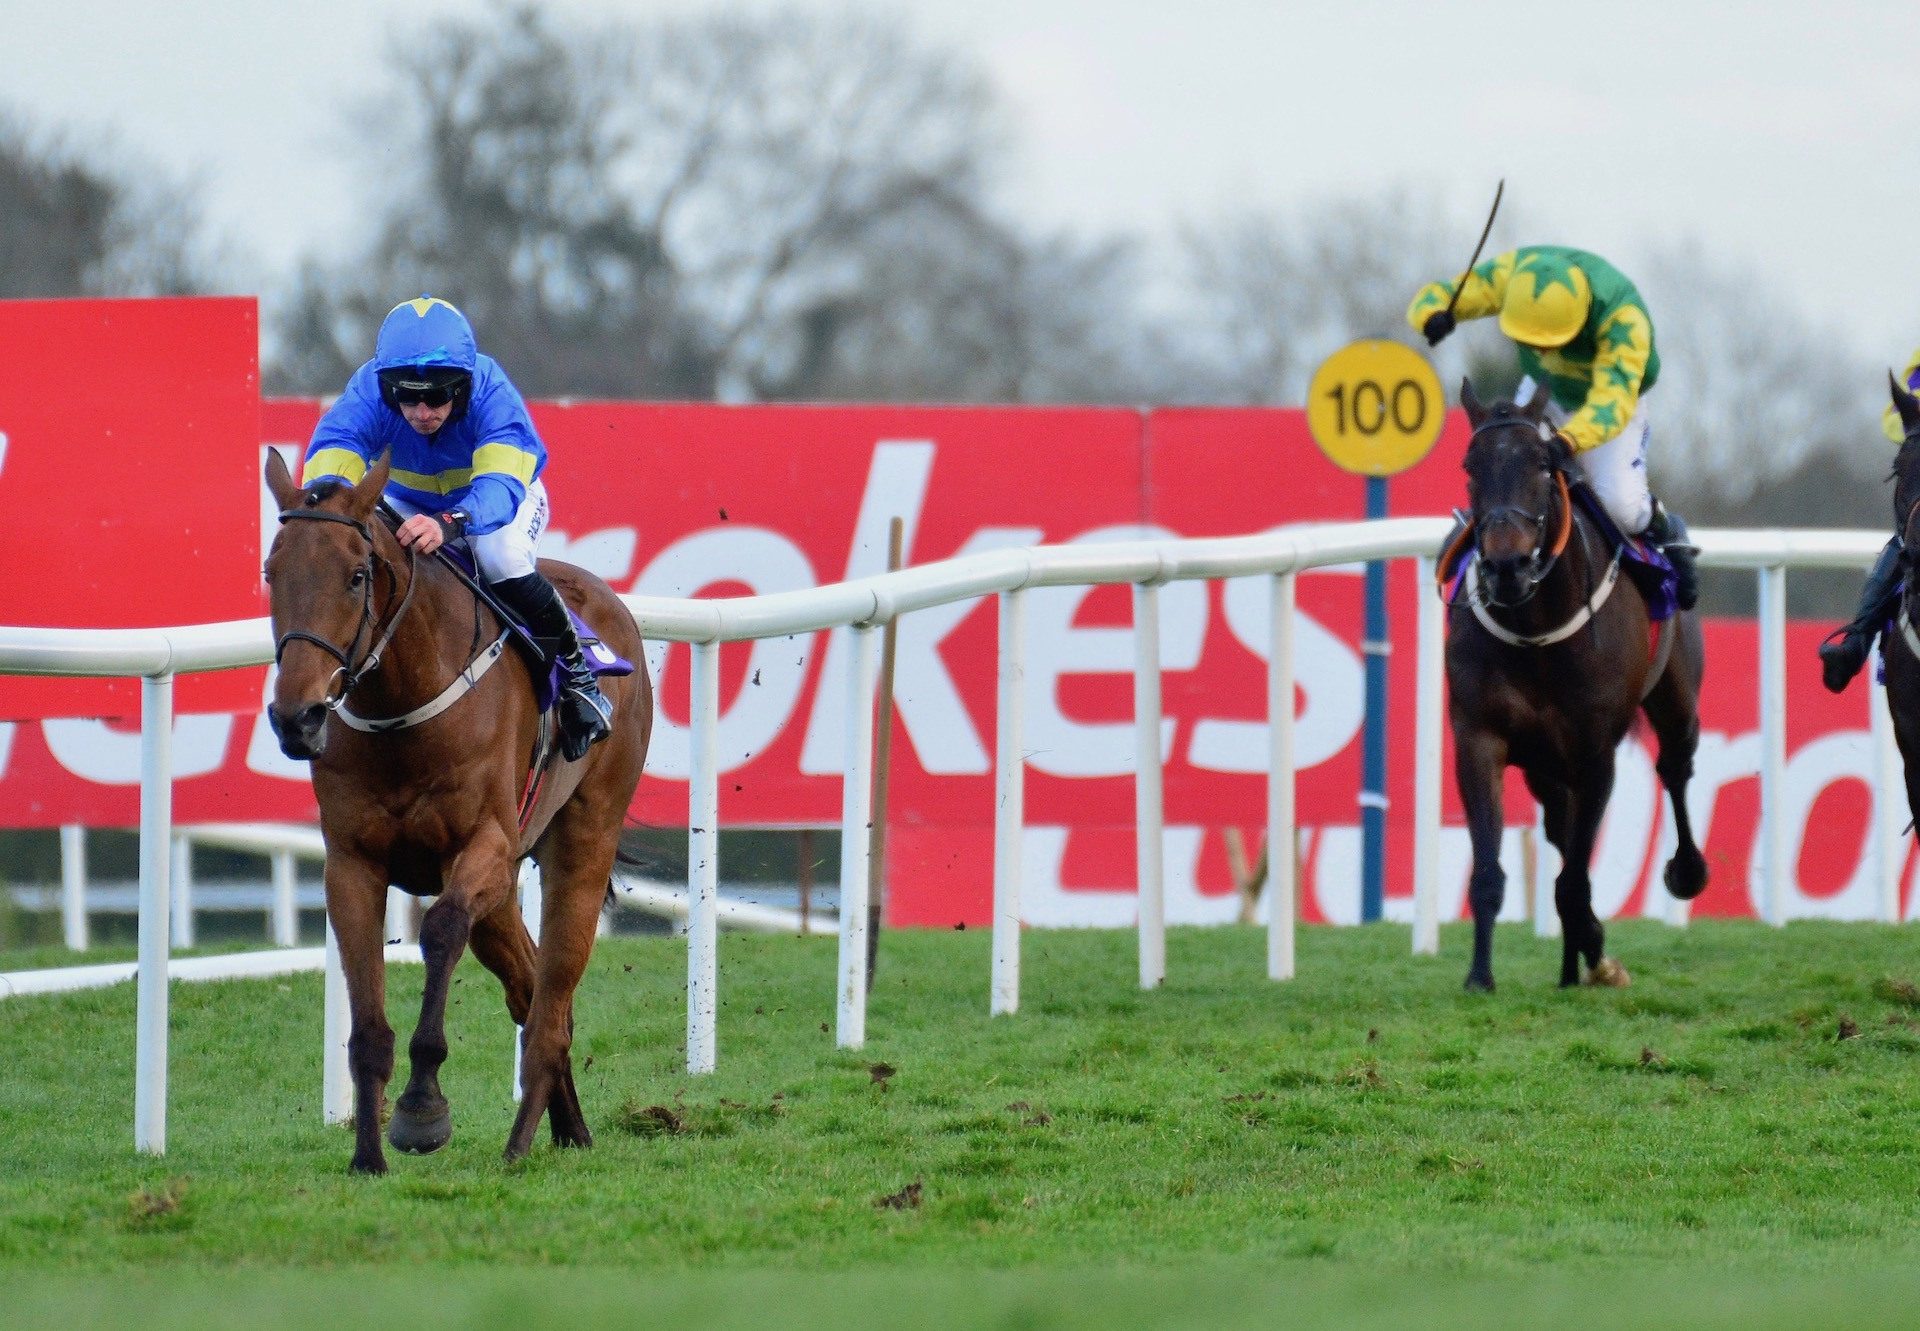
[(1536, 408), (366, 495), (280, 481), (1905, 404), (1470, 402)]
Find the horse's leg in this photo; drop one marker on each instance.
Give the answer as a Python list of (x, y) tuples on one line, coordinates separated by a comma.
[(475, 883), (1573, 891), (502, 944), (1479, 763), (1556, 810), (576, 863), (356, 907), (1673, 710)]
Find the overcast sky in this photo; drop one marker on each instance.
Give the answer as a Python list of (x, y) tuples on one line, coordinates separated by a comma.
[(1782, 136)]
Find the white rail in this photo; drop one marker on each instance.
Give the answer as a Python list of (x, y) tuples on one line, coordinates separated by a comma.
[(159, 654)]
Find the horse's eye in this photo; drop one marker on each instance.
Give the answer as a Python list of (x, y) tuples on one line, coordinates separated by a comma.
[(359, 577)]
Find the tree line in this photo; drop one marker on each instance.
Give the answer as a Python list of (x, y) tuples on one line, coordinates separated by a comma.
[(803, 206)]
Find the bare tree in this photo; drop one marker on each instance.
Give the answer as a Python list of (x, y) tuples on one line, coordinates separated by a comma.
[(1271, 294), (79, 222), (772, 207)]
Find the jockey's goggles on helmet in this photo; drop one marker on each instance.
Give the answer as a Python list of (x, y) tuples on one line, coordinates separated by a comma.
[(408, 387)]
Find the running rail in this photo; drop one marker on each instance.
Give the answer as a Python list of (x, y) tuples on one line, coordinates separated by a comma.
[(860, 606)]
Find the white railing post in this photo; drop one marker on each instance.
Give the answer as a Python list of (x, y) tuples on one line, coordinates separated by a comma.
[(1148, 801), (531, 904), (286, 911), (1429, 683), (1009, 805), (156, 831), (703, 856), (1890, 812), (856, 822), (336, 1025), (181, 890), (1281, 889), (1773, 742), (73, 885)]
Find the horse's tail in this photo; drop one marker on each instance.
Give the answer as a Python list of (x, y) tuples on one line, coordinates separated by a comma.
[(642, 858)]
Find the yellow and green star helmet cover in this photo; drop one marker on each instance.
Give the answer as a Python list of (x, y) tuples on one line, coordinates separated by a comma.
[(1547, 302)]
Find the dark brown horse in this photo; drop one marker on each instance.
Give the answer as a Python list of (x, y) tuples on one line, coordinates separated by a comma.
[(1901, 646), (1549, 657), (363, 628)]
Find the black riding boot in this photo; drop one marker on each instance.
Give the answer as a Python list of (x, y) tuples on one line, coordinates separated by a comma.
[(1670, 534), (586, 717), (1847, 647)]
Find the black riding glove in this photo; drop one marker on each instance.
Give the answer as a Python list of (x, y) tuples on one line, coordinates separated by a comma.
[(453, 524), (1437, 326)]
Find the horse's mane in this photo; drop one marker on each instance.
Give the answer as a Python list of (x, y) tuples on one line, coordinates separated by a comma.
[(1905, 476)]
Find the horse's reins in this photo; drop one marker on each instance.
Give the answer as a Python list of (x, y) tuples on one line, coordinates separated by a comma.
[(1539, 566), (348, 674)]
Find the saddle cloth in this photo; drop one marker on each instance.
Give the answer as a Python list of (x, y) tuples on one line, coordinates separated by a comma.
[(547, 673)]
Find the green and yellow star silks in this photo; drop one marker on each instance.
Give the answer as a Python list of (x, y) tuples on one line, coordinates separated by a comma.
[(1599, 375)]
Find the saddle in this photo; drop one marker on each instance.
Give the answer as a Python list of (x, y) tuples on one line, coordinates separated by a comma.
[(1644, 563), (546, 669)]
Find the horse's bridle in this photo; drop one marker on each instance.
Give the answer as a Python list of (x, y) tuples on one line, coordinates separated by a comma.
[(349, 674), (1542, 560)]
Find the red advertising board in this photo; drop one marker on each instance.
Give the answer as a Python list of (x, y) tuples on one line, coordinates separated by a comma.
[(129, 433), (697, 500)]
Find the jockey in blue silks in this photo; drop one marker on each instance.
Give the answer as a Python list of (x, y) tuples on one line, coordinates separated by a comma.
[(466, 464)]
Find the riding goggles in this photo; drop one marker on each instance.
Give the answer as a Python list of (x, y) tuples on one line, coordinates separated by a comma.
[(408, 388)]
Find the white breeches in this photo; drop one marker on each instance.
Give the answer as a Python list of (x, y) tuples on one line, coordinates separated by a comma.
[(1617, 469), (508, 551)]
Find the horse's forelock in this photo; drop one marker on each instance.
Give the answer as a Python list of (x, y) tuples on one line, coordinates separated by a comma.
[(1495, 433)]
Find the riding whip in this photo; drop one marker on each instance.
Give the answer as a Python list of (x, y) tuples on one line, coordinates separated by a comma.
[(1485, 231)]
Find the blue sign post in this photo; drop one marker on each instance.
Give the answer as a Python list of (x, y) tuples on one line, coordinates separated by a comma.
[(1373, 767), (1375, 408)]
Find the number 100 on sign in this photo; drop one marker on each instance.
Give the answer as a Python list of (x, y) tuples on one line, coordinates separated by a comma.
[(1375, 407)]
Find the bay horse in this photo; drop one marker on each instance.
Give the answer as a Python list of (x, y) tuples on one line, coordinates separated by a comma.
[(435, 807), (1903, 658), (1546, 669)]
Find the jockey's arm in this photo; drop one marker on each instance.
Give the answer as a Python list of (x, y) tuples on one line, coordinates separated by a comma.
[(502, 470), (1480, 294), (1619, 367), (346, 441)]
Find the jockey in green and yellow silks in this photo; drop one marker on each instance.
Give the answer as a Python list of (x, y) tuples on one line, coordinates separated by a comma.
[(1846, 649), (1583, 332)]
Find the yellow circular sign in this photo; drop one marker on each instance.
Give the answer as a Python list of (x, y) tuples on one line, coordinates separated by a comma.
[(1375, 407)]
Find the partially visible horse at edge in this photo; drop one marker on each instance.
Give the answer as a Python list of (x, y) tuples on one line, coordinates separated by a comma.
[(1550, 654), (1900, 646), (436, 807)]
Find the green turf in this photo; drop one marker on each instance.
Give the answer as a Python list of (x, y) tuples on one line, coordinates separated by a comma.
[(1738, 1131)]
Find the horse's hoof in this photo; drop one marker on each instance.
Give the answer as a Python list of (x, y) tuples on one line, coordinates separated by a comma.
[(579, 1139), (1685, 880), (1479, 984), (1610, 974), (421, 1133), (372, 1166)]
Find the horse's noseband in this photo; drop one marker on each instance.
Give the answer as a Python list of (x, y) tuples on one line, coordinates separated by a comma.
[(348, 674), (1545, 554)]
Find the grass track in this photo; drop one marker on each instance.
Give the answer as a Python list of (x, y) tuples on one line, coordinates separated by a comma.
[(1737, 1134)]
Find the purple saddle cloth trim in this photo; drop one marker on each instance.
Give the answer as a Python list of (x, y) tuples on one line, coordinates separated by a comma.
[(546, 684)]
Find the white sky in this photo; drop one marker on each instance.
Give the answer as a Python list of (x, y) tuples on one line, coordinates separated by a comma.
[(1783, 136)]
